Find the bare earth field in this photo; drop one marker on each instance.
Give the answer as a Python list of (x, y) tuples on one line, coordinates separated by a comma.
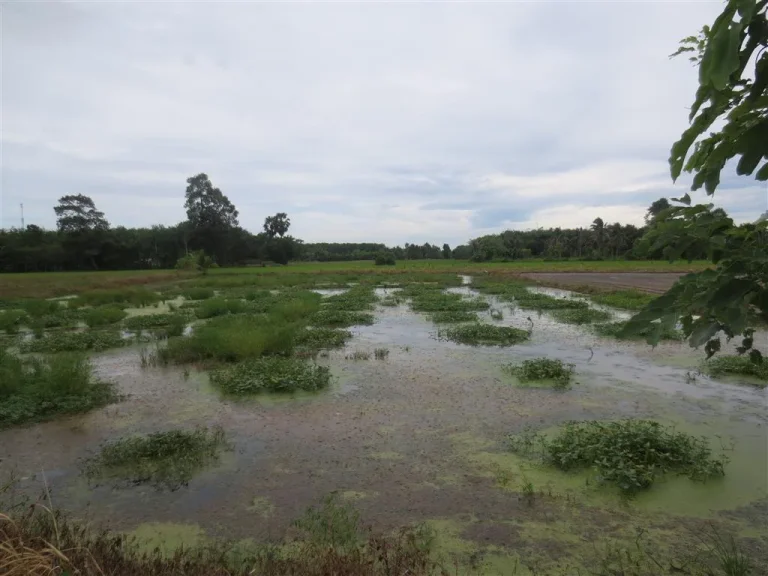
[(653, 282)]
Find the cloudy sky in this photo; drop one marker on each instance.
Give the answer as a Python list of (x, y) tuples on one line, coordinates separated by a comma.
[(364, 121)]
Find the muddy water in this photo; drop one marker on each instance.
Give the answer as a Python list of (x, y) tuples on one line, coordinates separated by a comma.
[(420, 436)]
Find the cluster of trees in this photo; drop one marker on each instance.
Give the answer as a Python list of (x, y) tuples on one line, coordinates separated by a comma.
[(84, 239), (348, 251)]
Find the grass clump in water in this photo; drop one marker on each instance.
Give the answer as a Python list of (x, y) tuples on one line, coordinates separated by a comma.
[(35, 389), (148, 321), (580, 315), (200, 293), (624, 299), (321, 338), (125, 298), (615, 330), (438, 301), (630, 454), (103, 315), (539, 301), (543, 370), (358, 355), (341, 318), (91, 340), (484, 334), (220, 307), (39, 308), (739, 365), (163, 459), (452, 316), (271, 374), (12, 320), (356, 298)]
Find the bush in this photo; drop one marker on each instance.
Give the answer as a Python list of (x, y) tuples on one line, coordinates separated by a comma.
[(628, 453), (271, 374), (385, 259), (488, 334), (543, 369), (38, 308), (33, 389), (164, 459), (103, 315)]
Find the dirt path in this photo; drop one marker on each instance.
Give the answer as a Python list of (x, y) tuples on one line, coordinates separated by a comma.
[(654, 282)]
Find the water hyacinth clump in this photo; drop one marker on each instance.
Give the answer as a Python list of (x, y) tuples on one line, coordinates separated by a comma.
[(484, 334), (271, 374), (543, 370)]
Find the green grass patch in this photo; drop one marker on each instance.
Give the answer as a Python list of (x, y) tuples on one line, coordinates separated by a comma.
[(615, 330), (539, 301), (546, 370), (89, 341), (452, 316), (200, 293), (126, 298), (438, 301), (38, 308), (219, 307), (12, 320), (341, 318), (35, 389), (739, 365), (392, 300), (630, 454), (356, 298), (483, 334), (271, 374), (624, 299), (103, 316), (580, 315), (163, 459), (321, 338)]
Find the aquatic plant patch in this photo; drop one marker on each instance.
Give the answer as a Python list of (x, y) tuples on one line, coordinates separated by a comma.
[(355, 299), (539, 301), (35, 389), (163, 459), (484, 334), (739, 365), (271, 374), (220, 307), (125, 298), (435, 301), (616, 330), (103, 315), (630, 454), (580, 315), (12, 320), (452, 316), (201, 293), (340, 318), (321, 338), (148, 321), (542, 370), (624, 299), (88, 341)]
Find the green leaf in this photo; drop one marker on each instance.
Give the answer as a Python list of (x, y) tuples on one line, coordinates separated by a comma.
[(746, 9), (703, 331), (684, 200), (762, 174), (749, 162)]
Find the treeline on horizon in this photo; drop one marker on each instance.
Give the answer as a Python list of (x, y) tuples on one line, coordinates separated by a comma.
[(84, 240)]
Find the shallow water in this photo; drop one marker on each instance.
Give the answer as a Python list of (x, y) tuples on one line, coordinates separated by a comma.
[(418, 436)]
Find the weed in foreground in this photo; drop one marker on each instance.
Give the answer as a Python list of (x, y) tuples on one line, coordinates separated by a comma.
[(615, 330), (91, 340), (580, 315), (341, 318), (35, 389), (628, 453), (271, 374), (163, 459), (484, 334), (452, 316), (543, 369), (741, 365), (334, 524)]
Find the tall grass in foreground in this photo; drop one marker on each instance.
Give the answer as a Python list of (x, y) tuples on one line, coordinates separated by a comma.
[(34, 389)]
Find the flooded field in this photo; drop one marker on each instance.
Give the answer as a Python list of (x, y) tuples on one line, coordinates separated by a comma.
[(420, 435)]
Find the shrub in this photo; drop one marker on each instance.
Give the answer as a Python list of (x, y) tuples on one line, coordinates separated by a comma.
[(197, 293), (164, 459), (271, 374), (34, 389), (742, 365), (92, 340), (628, 453), (580, 315), (478, 334), (103, 315), (540, 369), (340, 318)]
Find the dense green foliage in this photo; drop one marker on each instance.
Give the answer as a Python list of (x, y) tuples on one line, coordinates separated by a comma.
[(103, 315), (631, 454), (542, 369), (271, 374), (733, 98), (164, 459), (34, 389), (484, 334), (539, 301), (385, 258)]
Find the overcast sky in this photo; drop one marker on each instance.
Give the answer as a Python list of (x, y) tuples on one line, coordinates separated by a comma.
[(390, 122)]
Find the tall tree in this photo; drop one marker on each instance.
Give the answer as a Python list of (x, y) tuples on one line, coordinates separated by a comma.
[(77, 213), (732, 57), (598, 228), (446, 251), (656, 208), (277, 225), (211, 216)]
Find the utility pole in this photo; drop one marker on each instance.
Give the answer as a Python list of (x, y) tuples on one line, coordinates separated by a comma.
[(22, 215)]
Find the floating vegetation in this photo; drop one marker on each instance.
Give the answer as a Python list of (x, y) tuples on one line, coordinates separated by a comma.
[(149, 321), (271, 374), (321, 338), (630, 454), (543, 370), (484, 334), (163, 459), (12, 320), (739, 365), (126, 298), (355, 299), (35, 389), (452, 316), (341, 318), (91, 340), (615, 330), (438, 301), (580, 315)]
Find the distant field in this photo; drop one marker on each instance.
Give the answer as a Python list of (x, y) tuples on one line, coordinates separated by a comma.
[(51, 284)]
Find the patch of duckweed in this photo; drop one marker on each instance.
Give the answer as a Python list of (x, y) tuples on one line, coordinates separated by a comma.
[(452, 316), (321, 338)]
